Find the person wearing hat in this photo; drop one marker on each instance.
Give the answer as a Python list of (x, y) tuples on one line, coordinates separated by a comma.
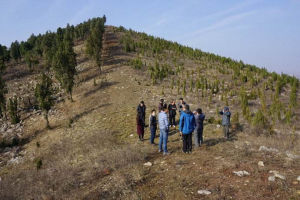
[(226, 121)]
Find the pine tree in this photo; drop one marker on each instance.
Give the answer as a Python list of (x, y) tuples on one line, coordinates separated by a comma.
[(31, 59), (15, 51), (13, 110), (94, 42), (43, 93), (3, 91), (64, 63)]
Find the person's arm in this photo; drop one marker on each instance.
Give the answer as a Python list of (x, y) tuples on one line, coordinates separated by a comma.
[(166, 121), (181, 123), (221, 112), (194, 122)]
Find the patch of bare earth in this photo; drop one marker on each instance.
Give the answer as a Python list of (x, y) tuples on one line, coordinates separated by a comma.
[(92, 151)]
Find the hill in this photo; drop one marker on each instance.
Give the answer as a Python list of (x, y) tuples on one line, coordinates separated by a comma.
[(91, 150)]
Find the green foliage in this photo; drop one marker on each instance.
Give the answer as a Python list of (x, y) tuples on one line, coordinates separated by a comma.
[(244, 104), (15, 51), (136, 63), (184, 88), (260, 120), (13, 110), (38, 163), (64, 63), (293, 94), (94, 41), (31, 60), (159, 72), (3, 92), (288, 115), (236, 118), (43, 93)]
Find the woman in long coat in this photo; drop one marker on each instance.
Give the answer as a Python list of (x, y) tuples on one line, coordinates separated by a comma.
[(140, 125)]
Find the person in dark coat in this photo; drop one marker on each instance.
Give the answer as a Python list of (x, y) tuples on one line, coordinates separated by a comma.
[(199, 118), (161, 105), (180, 105), (140, 125), (186, 128), (153, 125), (142, 109), (226, 121), (172, 113)]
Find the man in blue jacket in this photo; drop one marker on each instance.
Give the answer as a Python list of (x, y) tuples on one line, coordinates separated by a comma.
[(164, 129), (186, 128), (226, 121)]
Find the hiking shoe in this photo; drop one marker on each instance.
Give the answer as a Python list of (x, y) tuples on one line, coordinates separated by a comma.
[(166, 153), (159, 151)]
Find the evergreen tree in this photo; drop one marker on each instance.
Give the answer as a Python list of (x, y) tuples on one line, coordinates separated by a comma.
[(31, 59), (94, 42), (43, 93), (15, 51), (64, 65), (13, 110), (3, 92)]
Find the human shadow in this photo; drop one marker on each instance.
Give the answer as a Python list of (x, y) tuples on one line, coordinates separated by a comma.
[(215, 141)]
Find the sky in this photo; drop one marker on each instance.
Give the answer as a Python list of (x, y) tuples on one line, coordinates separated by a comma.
[(265, 33)]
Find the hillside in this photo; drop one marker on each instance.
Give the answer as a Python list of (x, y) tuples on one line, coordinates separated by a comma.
[(92, 150)]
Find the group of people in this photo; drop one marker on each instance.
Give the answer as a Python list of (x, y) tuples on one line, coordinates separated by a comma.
[(189, 123)]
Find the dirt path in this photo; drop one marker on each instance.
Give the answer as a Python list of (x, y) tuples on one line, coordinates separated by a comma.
[(93, 152)]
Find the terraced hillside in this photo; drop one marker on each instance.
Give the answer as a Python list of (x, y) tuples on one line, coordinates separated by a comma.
[(92, 150)]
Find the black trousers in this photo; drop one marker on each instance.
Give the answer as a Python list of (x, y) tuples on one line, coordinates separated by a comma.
[(187, 142), (172, 120)]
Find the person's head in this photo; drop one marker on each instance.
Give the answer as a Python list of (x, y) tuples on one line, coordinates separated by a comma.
[(199, 111), (181, 100), (165, 108), (173, 102), (226, 109), (153, 112), (161, 100), (186, 107), (142, 103)]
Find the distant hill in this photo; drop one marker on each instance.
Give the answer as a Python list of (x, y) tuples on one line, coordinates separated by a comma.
[(91, 150)]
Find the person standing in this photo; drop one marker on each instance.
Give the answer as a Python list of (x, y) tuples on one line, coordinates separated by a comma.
[(180, 105), (140, 124), (164, 130), (142, 109), (186, 128), (226, 121), (199, 118), (153, 125), (172, 113), (161, 105)]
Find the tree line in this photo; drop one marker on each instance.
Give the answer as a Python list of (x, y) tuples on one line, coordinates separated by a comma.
[(54, 54)]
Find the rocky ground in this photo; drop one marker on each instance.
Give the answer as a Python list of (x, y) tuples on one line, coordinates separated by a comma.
[(92, 150)]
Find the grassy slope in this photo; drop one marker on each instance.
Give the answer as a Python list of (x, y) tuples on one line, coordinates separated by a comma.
[(97, 157)]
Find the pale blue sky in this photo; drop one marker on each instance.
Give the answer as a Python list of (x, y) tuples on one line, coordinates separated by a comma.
[(261, 32)]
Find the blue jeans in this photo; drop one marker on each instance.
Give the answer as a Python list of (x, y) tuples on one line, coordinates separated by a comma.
[(153, 133), (163, 139)]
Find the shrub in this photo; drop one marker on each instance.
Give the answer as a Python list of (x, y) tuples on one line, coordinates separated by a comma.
[(260, 120), (13, 110)]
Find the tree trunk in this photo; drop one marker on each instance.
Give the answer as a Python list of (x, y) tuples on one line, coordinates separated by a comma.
[(47, 120)]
